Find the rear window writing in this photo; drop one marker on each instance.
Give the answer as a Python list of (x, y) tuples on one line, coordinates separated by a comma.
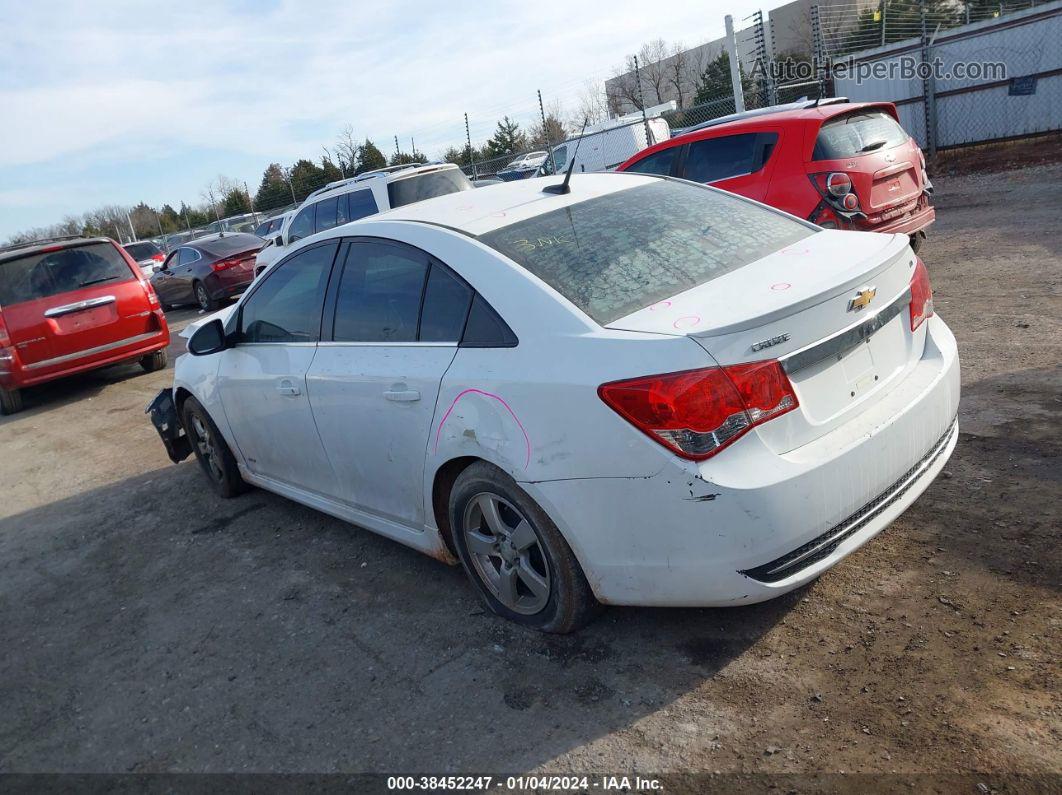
[(616, 254), (43, 275), (857, 133)]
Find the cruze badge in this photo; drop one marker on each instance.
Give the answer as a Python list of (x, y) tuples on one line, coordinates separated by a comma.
[(862, 299), (759, 346)]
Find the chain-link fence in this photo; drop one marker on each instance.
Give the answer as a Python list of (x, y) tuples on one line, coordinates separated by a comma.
[(998, 77)]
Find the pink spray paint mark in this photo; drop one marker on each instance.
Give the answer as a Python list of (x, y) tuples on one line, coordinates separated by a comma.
[(781, 286), (689, 321), (446, 416), (660, 305)]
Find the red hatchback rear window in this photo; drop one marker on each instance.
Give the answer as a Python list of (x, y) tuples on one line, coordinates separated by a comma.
[(857, 133), (42, 275)]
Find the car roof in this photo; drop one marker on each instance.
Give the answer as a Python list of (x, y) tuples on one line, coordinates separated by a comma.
[(16, 250), (476, 212)]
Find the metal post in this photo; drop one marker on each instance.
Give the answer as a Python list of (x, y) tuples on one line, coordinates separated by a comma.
[(158, 220), (287, 178), (413, 144), (471, 151), (397, 150), (821, 65), (250, 201), (928, 90), (883, 6), (132, 232), (545, 132), (641, 101), (735, 65), (967, 5)]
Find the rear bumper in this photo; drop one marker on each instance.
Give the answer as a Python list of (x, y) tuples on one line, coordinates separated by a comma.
[(751, 524), (907, 224), (23, 375), (231, 285)]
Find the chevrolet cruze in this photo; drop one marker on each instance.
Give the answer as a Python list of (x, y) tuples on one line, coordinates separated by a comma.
[(639, 391)]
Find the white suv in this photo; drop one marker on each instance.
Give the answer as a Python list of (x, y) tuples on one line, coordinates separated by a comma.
[(366, 194)]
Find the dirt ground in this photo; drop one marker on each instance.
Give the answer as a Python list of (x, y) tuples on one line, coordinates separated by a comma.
[(146, 625)]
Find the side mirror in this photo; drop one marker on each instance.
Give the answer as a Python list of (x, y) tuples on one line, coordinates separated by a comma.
[(208, 338), (156, 268), (278, 240)]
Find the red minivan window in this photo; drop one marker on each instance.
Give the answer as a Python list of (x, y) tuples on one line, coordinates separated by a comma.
[(45, 274)]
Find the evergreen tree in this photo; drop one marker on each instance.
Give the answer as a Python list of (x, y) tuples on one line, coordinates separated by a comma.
[(369, 158), (507, 139), (273, 191)]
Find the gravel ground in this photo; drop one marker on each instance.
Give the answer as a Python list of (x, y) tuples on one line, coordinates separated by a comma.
[(148, 626)]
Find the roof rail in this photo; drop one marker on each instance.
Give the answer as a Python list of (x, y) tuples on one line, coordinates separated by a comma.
[(43, 240)]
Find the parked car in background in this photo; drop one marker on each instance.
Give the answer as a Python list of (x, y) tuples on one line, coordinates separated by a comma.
[(271, 226), (146, 254), (73, 304), (357, 197), (840, 165), (523, 167), (640, 392), (604, 146), (245, 222), (207, 271)]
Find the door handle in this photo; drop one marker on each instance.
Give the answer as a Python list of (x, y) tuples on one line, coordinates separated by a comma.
[(288, 387), (402, 395)]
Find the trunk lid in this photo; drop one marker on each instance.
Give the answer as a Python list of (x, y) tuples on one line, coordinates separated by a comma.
[(801, 305)]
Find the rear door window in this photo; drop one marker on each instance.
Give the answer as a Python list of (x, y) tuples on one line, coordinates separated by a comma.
[(713, 159), (43, 275), (326, 214), (380, 293), (360, 203), (857, 133), (656, 163)]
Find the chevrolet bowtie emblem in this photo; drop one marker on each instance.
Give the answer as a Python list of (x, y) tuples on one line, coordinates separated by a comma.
[(862, 299)]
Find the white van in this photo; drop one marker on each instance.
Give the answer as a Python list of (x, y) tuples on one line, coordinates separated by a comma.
[(604, 146)]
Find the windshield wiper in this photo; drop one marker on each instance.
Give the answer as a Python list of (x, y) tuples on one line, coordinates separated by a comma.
[(97, 281), (872, 146)]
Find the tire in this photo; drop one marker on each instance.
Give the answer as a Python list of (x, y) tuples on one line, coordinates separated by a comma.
[(917, 239), (202, 297), (211, 450), (515, 556), (10, 401), (154, 361)]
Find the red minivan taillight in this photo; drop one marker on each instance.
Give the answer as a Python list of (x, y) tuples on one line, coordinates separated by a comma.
[(7, 351), (921, 295), (696, 413)]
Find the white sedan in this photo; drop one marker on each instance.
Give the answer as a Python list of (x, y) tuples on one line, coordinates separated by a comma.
[(639, 392)]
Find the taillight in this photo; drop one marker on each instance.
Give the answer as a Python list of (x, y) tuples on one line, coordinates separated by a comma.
[(7, 352), (696, 413), (152, 296), (838, 183), (225, 264), (921, 295), (158, 257), (5, 338)]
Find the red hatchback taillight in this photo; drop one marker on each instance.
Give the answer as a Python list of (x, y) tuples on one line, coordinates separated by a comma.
[(921, 295), (696, 413), (838, 183), (158, 257)]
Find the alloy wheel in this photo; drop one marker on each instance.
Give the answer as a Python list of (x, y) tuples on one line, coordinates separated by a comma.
[(506, 553), (202, 297), (204, 443)]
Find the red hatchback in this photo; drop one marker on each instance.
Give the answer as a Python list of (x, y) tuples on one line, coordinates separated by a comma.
[(72, 305), (840, 165)]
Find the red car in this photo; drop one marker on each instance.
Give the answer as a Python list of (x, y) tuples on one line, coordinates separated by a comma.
[(840, 165), (70, 305)]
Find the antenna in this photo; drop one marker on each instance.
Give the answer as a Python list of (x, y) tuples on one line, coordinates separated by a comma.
[(564, 187)]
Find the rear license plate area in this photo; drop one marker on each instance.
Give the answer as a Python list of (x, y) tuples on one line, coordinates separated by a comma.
[(85, 319)]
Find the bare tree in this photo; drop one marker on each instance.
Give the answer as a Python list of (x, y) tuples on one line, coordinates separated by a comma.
[(346, 150), (590, 106), (681, 73), (654, 71)]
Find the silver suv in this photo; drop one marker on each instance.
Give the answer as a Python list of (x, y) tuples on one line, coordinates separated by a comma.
[(366, 194)]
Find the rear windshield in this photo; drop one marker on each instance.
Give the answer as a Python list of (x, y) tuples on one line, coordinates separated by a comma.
[(427, 186), (141, 250), (856, 134), (43, 275), (230, 244), (619, 253)]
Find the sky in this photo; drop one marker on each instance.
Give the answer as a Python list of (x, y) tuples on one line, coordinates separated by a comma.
[(117, 102)]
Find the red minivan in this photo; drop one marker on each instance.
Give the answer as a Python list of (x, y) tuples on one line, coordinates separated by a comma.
[(70, 305), (842, 165)]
